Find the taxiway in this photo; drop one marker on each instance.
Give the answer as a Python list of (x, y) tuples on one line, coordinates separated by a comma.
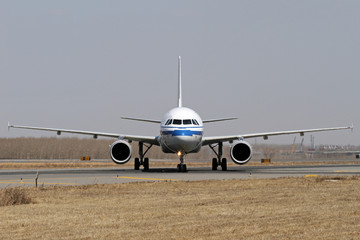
[(72, 177)]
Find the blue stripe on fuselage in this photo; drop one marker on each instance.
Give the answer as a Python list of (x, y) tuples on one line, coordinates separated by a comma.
[(181, 127), (182, 132)]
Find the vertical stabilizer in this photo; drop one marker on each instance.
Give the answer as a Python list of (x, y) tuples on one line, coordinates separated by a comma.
[(179, 82)]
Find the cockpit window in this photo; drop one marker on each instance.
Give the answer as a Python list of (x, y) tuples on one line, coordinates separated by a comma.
[(177, 121), (195, 122), (187, 121), (181, 122)]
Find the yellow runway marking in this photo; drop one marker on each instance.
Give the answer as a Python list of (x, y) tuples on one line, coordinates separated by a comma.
[(154, 179), (309, 175), (346, 171)]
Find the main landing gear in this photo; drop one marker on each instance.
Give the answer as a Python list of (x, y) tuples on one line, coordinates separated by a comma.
[(218, 161), (141, 160), (182, 166)]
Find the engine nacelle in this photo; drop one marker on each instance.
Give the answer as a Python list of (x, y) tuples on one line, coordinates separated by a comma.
[(120, 152), (241, 152)]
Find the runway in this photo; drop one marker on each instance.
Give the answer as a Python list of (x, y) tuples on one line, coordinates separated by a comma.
[(73, 177)]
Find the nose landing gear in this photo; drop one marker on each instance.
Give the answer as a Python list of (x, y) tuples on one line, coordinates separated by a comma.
[(182, 166)]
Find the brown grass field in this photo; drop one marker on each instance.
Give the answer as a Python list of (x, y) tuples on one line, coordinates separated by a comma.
[(284, 208)]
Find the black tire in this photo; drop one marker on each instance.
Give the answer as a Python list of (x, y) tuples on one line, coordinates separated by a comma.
[(181, 168), (214, 164), (146, 164), (137, 164), (224, 164), (184, 168)]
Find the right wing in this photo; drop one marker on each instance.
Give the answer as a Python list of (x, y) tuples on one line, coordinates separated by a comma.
[(212, 140), (145, 139)]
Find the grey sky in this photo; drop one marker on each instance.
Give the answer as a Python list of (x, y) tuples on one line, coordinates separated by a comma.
[(277, 65)]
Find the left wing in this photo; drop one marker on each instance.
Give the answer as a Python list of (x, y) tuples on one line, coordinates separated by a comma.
[(211, 140), (145, 139)]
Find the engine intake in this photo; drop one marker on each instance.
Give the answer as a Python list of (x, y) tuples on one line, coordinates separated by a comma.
[(241, 152), (120, 152)]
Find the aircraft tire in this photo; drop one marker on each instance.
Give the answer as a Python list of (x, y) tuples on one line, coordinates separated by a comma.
[(214, 164), (224, 164), (184, 168), (181, 168), (137, 164), (146, 164)]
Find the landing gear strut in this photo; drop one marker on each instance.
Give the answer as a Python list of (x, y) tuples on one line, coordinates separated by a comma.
[(182, 166), (218, 161), (141, 160)]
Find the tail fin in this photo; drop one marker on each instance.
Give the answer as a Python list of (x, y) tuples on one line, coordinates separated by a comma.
[(179, 82)]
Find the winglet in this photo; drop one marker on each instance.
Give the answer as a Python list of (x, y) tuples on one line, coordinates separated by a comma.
[(9, 126), (352, 127), (179, 84)]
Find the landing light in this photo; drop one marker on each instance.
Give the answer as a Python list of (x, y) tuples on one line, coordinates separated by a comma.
[(179, 153)]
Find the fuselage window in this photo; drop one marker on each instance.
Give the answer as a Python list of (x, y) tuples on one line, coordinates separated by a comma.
[(195, 122), (177, 121), (168, 122), (187, 121)]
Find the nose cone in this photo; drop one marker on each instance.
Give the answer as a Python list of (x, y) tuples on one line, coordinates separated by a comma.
[(184, 143)]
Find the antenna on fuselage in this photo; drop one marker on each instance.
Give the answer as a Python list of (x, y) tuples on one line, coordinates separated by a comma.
[(179, 84)]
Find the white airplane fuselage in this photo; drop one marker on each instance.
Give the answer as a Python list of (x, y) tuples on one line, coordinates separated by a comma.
[(181, 131)]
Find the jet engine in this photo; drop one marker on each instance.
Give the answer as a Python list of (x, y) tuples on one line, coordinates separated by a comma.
[(120, 152), (241, 152)]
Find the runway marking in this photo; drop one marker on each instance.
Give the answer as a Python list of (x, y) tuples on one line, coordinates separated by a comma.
[(311, 175), (346, 171), (153, 179)]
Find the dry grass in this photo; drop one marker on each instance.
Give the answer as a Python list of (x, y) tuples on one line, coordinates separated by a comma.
[(14, 196), (296, 208)]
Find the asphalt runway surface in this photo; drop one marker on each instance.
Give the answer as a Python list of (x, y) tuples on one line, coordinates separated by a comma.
[(73, 177)]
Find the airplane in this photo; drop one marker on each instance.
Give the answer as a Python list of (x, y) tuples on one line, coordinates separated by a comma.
[(181, 132)]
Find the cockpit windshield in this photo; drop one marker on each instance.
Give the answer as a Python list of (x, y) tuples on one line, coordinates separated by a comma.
[(195, 122), (187, 121), (181, 122), (177, 121)]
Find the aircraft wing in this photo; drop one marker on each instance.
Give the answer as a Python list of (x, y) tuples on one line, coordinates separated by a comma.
[(145, 139), (212, 140)]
